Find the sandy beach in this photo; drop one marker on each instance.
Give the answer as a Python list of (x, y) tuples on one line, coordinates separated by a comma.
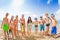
[(32, 36)]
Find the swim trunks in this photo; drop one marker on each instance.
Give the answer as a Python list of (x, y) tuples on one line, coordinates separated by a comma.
[(48, 24), (54, 30), (5, 27), (22, 28), (41, 27), (36, 26)]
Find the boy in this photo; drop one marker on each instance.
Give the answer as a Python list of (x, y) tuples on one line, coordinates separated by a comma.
[(5, 26), (54, 29), (22, 21), (41, 22)]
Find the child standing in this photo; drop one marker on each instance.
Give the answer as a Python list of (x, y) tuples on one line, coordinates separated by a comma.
[(5, 26), (16, 26), (22, 21), (29, 24), (54, 29), (11, 26), (47, 22), (36, 25), (41, 22)]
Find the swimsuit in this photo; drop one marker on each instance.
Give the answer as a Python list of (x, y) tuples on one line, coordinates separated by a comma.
[(36, 26), (41, 27), (5, 27), (29, 25), (54, 30), (48, 24), (22, 28)]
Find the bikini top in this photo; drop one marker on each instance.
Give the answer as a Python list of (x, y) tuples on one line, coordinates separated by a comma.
[(11, 22), (47, 20), (15, 21)]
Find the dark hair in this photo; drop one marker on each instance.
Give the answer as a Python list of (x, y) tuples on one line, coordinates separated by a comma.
[(41, 17), (53, 15), (29, 20), (35, 18)]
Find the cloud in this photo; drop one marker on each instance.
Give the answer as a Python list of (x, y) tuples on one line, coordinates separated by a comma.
[(1, 15), (59, 2), (48, 2), (58, 14)]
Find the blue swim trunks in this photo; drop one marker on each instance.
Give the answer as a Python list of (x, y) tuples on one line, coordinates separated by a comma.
[(54, 30), (41, 27)]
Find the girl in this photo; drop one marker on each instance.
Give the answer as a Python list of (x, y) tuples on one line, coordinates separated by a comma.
[(16, 25), (11, 26), (29, 24), (36, 25)]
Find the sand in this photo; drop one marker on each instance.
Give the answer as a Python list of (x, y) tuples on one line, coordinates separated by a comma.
[(32, 36)]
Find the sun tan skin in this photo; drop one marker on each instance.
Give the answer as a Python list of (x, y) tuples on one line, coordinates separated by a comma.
[(22, 21), (47, 20), (5, 21), (11, 25), (16, 25), (36, 23), (41, 22), (29, 29), (54, 23)]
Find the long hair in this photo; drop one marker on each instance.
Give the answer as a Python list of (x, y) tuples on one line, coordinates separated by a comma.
[(29, 20)]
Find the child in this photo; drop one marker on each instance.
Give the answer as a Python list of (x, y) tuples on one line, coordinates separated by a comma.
[(42, 24), (16, 25), (47, 21), (54, 29), (29, 24), (5, 26), (11, 26), (36, 25), (22, 21)]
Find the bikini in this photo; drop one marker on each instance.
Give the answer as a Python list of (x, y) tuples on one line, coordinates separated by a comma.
[(47, 24)]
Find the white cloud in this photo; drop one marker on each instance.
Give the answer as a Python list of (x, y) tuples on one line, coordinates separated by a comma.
[(58, 14), (48, 2), (14, 9), (59, 2)]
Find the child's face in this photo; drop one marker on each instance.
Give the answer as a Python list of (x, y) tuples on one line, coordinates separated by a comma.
[(46, 15), (12, 17), (35, 19), (16, 17), (22, 16), (7, 14), (29, 18), (52, 17)]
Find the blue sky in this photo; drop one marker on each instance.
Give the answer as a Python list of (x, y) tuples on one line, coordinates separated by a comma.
[(33, 8)]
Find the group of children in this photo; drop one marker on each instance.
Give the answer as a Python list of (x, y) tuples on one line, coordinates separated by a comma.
[(12, 25)]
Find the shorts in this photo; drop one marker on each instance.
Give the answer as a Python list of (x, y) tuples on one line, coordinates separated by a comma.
[(36, 26), (41, 27), (5, 27), (54, 30), (23, 28), (29, 25), (48, 24)]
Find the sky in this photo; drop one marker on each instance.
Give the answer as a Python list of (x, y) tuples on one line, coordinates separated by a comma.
[(33, 8)]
